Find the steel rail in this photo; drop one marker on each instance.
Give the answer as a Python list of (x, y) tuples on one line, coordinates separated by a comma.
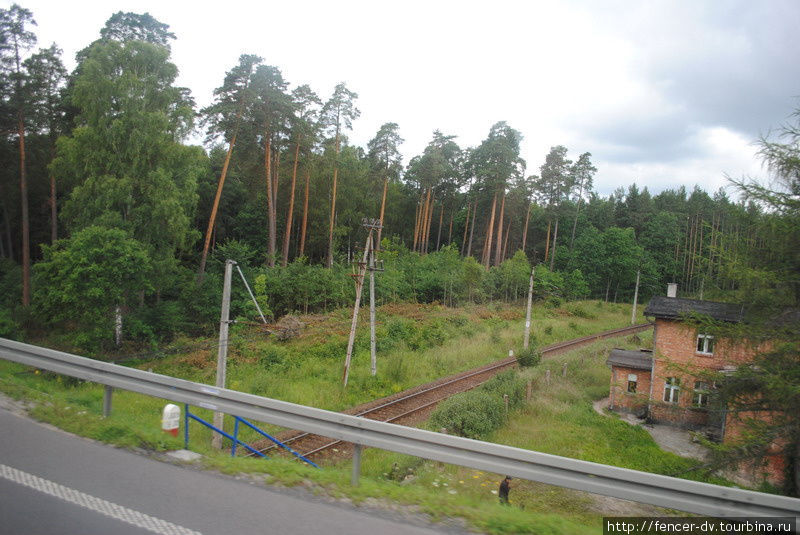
[(664, 491), (486, 368)]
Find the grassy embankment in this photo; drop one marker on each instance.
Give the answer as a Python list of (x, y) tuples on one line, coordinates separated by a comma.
[(559, 420), (416, 344)]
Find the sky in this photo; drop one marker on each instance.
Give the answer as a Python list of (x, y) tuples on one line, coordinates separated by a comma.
[(661, 93)]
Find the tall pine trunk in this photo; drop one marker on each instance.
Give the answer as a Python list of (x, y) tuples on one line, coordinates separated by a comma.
[(547, 243), (333, 199), (383, 208), (505, 242), (466, 228), (305, 215), (290, 215), (450, 232), (499, 247), (26, 231), (555, 241), (212, 220), (417, 212), (271, 232), (429, 222), (439, 235), (472, 229), (525, 228), (489, 232)]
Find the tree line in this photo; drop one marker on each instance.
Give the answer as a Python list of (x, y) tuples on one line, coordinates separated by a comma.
[(108, 211)]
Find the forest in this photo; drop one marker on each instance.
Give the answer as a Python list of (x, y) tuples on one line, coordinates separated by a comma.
[(109, 212)]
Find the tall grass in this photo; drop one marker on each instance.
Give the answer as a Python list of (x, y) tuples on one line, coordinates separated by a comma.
[(414, 350)]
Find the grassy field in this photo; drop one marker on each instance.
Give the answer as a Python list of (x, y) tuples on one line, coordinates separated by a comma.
[(419, 344), (416, 344)]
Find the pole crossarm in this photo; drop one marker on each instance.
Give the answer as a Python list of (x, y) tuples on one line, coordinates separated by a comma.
[(690, 496)]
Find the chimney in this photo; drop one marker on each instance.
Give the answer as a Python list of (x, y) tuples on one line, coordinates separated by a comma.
[(672, 290)]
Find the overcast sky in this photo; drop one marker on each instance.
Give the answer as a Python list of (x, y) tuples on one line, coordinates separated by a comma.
[(661, 93)]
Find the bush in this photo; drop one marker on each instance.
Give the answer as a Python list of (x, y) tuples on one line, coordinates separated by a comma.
[(506, 383), (472, 414), (528, 358), (9, 328), (477, 413)]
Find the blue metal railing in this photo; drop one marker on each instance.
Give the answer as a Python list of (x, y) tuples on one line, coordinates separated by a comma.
[(235, 437), (266, 435)]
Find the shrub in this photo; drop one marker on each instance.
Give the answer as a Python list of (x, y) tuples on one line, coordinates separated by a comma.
[(477, 413), (506, 383), (578, 311), (472, 414), (9, 328), (271, 355), (530, 357)]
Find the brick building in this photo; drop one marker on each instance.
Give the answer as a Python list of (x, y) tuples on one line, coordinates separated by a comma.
[(661, 386)]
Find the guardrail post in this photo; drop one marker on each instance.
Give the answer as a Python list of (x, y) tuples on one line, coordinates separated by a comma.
[(356, 465), (107, 393), (186, 426), (235, 435)]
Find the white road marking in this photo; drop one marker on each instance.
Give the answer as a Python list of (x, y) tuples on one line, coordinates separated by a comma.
[(150, 523)]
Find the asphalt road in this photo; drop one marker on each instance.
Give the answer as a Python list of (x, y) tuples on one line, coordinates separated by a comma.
[(55, 483)]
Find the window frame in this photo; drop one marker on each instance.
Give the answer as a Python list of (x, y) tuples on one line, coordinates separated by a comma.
[(632, 383), (701, 394), (704, 344), (672, 390)]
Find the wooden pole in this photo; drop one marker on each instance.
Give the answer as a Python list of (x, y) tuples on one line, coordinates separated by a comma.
[(359, 287), (372, 344), (526, 339)]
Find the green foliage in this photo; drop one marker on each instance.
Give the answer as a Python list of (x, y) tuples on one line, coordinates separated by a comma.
[(529, 357), (124, 159), (473, 414), (81, 281), (476, 413)]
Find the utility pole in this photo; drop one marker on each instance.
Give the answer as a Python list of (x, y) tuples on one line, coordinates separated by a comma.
[(635, 297), (374, 265), (528, 313), (222, 354), (370, 224), (373, 358)]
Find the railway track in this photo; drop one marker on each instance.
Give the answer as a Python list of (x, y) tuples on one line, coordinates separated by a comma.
[(415, 405)]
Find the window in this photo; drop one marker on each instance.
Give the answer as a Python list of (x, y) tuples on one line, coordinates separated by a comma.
[(672, 387), (702, 391), (705, 344), (632, 379)]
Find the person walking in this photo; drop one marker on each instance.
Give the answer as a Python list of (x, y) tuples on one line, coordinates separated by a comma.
[(504, 488)]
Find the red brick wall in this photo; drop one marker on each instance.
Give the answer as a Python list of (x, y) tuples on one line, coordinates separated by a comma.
[(675, 355), (621, 399)]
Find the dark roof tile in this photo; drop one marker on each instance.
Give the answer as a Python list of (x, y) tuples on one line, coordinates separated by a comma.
[(640, 360), (675, 307)]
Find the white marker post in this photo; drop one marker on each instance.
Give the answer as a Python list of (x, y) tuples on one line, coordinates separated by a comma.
[(171, 419)]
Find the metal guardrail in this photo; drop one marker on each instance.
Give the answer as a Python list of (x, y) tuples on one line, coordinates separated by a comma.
[(664, 491)]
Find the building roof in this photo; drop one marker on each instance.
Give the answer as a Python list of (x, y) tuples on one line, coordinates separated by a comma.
[(675, 307), (641, 359)]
